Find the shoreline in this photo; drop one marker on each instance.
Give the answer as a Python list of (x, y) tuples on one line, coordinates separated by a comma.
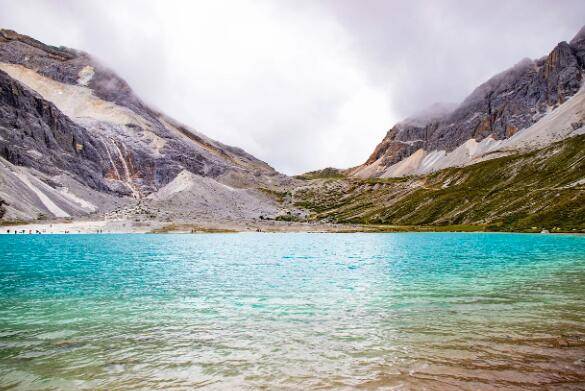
[(53, 227), (160, 227)]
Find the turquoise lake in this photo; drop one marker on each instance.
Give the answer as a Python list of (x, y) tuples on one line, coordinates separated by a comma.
[(292, 311)]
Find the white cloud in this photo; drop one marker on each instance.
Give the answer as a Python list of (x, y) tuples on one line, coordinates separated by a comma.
[(303, 84), (281, 83)]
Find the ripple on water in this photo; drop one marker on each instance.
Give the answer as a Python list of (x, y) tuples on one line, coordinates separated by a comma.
[(434, 311)]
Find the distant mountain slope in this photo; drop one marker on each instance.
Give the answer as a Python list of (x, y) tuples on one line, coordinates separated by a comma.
[(540, 189), (70, 123), (508, 104)]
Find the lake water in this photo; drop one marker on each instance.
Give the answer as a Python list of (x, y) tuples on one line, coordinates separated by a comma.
[(292, 311)]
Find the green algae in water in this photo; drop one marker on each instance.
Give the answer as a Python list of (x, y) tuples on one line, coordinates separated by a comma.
[(292, 311)]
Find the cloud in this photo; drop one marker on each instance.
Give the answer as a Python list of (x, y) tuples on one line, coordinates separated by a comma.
[(301, 85), (430, 51)]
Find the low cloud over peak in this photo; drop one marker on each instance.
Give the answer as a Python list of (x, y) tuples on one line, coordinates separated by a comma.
[(304, 85)]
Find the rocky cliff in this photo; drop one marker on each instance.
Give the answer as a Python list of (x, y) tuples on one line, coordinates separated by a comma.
[(75, 139), (496, 110)]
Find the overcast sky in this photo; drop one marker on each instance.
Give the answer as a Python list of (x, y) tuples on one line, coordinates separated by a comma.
[(300, 84)]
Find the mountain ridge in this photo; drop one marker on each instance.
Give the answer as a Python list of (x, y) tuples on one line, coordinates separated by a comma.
[(508, 102), (542, 189), (67, 118), (77, 143)]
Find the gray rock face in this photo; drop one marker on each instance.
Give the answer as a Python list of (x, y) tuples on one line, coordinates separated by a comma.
[(75, 139), (105, 155), (2, 208), (508, 102), (64, 65), (34, 133), (578, 45)]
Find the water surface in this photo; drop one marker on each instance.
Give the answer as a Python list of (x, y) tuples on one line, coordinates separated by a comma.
[(292, 311)]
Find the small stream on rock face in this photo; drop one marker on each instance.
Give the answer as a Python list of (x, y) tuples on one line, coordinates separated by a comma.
[(292, 311), (127, 178)]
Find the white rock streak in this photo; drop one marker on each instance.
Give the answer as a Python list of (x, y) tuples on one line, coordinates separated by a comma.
[(50, 205)]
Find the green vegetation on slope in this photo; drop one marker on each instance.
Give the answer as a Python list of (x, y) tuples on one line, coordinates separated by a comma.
[(541, 189), (326, 173)]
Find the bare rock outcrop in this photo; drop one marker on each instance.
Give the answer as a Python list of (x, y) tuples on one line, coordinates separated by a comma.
[(65, 115), (508, 102)]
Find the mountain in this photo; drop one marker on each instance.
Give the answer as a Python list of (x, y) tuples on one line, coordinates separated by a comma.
[(542, 189), (509, 157), (75, 140), (526, 107)]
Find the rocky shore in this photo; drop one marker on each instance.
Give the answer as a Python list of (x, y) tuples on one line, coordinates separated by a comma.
[(155, 226)]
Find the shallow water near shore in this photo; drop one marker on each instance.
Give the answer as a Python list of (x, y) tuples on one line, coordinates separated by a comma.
[(292, 311)]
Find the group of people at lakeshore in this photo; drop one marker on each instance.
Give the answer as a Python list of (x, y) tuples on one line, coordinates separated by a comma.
[(38, 232)]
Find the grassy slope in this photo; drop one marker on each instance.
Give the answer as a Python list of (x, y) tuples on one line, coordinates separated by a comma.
[(328, 172), (522, 192)]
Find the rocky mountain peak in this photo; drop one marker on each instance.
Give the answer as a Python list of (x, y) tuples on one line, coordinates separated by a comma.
[(67, 66), (500, 107), (8, 36), (579, 38), (65, 117), (429, 114)]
